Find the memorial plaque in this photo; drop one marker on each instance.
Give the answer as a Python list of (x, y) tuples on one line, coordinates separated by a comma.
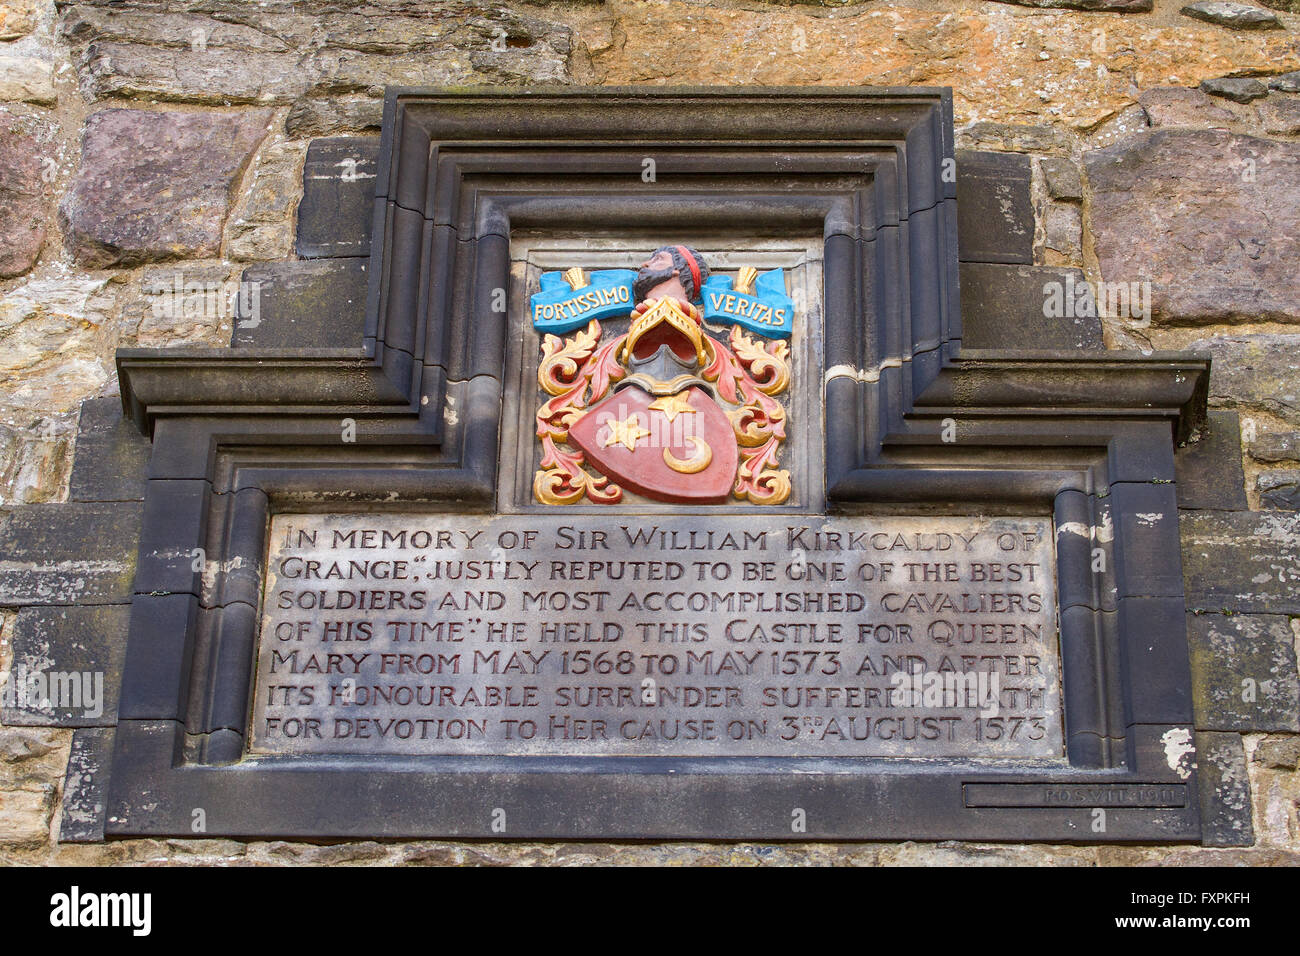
[(660, 500), (412, 634)]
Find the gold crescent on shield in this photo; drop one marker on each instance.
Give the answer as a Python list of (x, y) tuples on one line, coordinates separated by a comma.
[(696, 463)]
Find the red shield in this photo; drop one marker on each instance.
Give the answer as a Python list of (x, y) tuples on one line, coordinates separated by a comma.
[(671, 448)]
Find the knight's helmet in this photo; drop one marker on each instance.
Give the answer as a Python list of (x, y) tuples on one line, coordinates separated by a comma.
[(666, 347)]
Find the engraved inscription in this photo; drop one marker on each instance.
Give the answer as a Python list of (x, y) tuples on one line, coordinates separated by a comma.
[(742, 636)]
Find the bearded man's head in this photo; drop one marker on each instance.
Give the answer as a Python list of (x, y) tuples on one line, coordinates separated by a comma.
[(666, 263)]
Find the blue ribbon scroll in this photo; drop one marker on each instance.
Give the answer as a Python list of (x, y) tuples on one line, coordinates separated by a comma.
[(769, 311), (557, 308)]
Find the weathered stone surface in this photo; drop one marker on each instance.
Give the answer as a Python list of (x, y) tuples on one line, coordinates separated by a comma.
[(1237, 89), (1276, 447), (314, 304), (1279, 751), (1290, 6), (156, 185), (25, 815), (55, 343), (1012, 138), (35, 454), (1110, 6), (1243, 672), (1224, 787), (336, 214), (331, 116), (17, 18), (1279, 489), (22, 193), (68, 553), (85, 786), (1062, 178), (1286, 82), (86, 647), (281, 56), (1258, 371), (995, 214), (1180, 106), (1241, 561), (111, 455), (1280, 115), (1003, 66), (1119, 126), (261, 226), (1063, 235), (1005, 305), (183, 304), (27, 79), (1238, 16), (1209, 470), (1211, 219)]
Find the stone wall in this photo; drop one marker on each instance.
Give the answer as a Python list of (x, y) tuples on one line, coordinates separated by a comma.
[(153, 155)]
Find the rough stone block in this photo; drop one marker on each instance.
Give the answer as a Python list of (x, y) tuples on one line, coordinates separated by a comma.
[(1239, 89), (323, 50), (1115, 6), (337, 208), (74, 553), (323, 117), (1183, 106), (1062, 178), (24, 143), (995, 214), (1276, 447), (27, 79), (110, 455), (1278, 752), (1243, 672), (1242, 561), (1237, 16), (1224, 789), (17, 18), (1216, 246), (1209, 470), (85, 786), (261, 227), (1279, 490), (319, 303), (156, 185), (76, 653), (1280, 115), (25, 816), (1005, 306), (1255, 371)]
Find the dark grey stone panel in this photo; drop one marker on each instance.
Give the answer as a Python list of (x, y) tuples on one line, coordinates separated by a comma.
[(85, 786), (1013, 306), (1209, 470), (79, 651), (1244, 672), (995, 212), (73, 553), (1242, 561), (155, 677), (338, 180), (111, 455), (1224, 790), (315, 304)]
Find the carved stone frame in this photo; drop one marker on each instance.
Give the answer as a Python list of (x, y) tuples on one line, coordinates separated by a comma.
[(241, 434)]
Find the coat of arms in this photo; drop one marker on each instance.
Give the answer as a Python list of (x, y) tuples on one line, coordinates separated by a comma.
[(664, 409)]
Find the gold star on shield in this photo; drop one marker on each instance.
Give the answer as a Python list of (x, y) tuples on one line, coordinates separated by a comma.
[(673, 405), (627, 432)]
